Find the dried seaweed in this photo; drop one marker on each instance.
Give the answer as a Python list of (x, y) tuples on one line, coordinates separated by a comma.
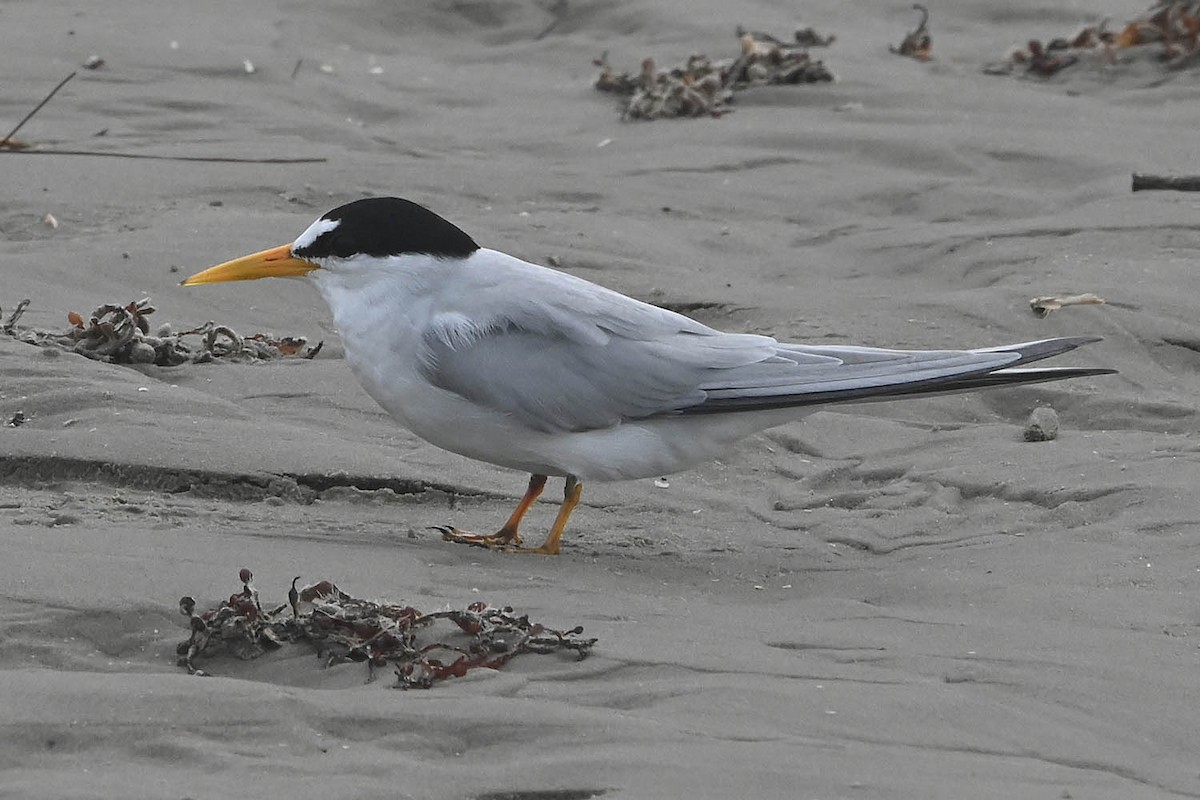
[(342, 628), (918, 44), (1167, 33), (704, 87), (120, 334)]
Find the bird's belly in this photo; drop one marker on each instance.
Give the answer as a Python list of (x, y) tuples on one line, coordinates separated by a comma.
[(639, 449), (661, 445)]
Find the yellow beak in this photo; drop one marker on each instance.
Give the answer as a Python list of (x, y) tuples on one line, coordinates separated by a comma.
[(278, 262)]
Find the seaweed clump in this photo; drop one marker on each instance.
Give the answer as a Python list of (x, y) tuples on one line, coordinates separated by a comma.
[(1168, 33), (120, 334), (702, 86), (342, 628)]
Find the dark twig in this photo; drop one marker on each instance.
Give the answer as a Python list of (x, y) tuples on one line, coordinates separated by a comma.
[(296, 69), (919, 43), (210, 159), (11, 324), (36, 109), (559, 10), (1178, 183)]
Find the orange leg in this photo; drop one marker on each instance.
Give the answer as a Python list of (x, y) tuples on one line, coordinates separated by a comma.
[(508, 539), (572, 491), (508, 534)]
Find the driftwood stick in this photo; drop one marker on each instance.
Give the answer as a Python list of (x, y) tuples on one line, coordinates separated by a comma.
[(36, 109), (1178, 183)]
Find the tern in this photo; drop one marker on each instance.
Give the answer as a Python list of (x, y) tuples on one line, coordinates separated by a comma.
[(530, 368)]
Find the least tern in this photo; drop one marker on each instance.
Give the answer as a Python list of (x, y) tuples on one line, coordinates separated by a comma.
[(526, 367)]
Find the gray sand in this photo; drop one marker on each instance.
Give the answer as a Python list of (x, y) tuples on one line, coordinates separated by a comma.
[(894, 600)]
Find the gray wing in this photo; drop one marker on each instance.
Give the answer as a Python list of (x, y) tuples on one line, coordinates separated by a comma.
[(563, 354), (551, 378), (556, 384), (559, 353)]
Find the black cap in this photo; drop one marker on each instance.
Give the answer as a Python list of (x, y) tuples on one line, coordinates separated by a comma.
[(388, 226)]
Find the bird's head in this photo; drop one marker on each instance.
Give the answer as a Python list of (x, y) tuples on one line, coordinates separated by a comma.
[(376, 227)]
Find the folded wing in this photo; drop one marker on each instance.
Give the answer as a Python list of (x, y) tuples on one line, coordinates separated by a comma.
[(567, 355)]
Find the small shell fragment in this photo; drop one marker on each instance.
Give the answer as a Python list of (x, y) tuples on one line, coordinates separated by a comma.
[(1042, 306)]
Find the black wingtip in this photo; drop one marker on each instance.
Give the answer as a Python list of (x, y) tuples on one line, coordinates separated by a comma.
[(1028, 352)]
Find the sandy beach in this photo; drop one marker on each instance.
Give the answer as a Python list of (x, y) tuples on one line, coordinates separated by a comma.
[(895, 600)]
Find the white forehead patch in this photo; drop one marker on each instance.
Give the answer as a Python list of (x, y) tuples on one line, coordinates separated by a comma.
[(314, 232)]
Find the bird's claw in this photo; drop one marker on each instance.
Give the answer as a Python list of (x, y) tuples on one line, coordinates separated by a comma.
[(495, 541)]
